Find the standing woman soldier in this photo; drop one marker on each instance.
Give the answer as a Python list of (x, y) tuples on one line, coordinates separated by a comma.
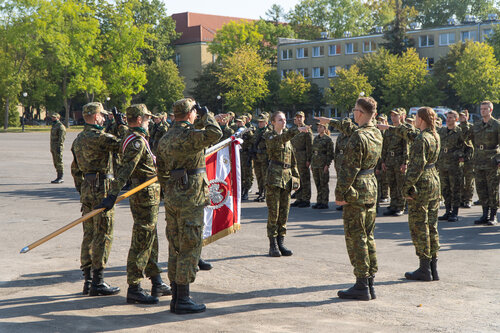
[(422, 190), (280, 175), (322, 157)]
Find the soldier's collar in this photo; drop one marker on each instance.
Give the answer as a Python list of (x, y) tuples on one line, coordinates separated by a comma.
[(184, 122), (98, 127), (139, 129)]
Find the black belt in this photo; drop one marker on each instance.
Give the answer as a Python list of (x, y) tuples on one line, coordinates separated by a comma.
[(281, 164), (483, 147), (429, 166), (98, 174), (366, 172)]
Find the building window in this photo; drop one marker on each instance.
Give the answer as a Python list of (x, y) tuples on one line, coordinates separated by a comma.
[(487, 34), (369, 46), (469, 35), (334, 49), (284, 73), (178, 59), (318, 72), (304, 72), (332, 71), (286, 54), (351, 48), (447, 39), (302, 52), (318, 51), (430, 63), (426, 41)]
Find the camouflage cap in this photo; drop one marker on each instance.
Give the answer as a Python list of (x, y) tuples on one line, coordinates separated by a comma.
[(462, 113), (241, 118), (262, 117), (183, 106), (410, 118), (170, 113), (300, 114), (231, 113), (137, 110), (249, 115), (56, 115), (396, 111), (382, 116), (93, 108), (402, 111)]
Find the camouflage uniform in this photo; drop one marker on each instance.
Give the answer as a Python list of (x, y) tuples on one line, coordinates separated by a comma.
[(282, 167), (182, 147), (227, 131), (357, 185), (91, 170), (346, 127), (57, 136), (158, 133), (467, 190), (322, 155), (246, 160), (302, 144), (260, 162)]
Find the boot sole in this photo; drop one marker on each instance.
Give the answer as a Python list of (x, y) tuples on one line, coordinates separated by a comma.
[(181, 312), (415, 279), (94, 293), (360, 298), (134, 301)]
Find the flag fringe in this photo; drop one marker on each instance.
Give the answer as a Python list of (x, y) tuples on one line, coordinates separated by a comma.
[(223, 233)]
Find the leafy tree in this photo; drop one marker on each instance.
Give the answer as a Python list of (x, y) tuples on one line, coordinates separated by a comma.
[(346, 87), (294, 91), (383, 11), (397, 40), (276, 14), (207, 87), (271, 102), (477, 75), (494, 40), (316, 99), (271, 32), (164, 86), (243, 75)]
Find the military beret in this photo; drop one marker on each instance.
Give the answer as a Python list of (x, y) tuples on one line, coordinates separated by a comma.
[(300, 114), (137, 110), (56, 115), (183, 106), (93, 108)]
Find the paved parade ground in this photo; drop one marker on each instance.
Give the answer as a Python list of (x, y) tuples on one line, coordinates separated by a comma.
[(246, 291)]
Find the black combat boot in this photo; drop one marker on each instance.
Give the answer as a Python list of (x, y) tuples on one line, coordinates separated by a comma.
[(434, 270), (454, 215), (446, 215), (158, 287), (339, 208), (135, 294), (273, 248), (304, 204), (184, 304), (389, 212), (244, 195), (88, 280), (59, 179), (477, 203), (99, 287), (370, 286), (483, 219), (281, 246), (263, 196), (358, 291), (259, 197), (467, 204), (173, 286), (493, 217), (423, 273), (204, 266), (296, 203)]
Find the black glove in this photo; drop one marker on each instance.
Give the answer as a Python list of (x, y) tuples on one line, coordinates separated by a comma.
[(107, 202), (118, 116), (201, 110)]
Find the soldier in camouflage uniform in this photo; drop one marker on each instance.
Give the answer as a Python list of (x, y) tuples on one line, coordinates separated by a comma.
[(91, 170), (282, 176), (485, 135), (57, 136), (357, 191), (383, 183), (450, 165), (302, 144), (467, 190), (161, 129), (394, 162), (139, 165), (322, 157), (182, 175), (227, 131), (246, 157), (260, 161)]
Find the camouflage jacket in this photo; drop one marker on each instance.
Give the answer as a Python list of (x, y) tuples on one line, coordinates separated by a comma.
[(259, 145), (57, 136), (322, 151), (183, 147), (137, 160), (346, 127), (452, 147), (422, 179), (486, 140), (157, 134), (282, 164), (395, 148), (246, 146), (227, 131), (469, 147), (362, 154), (92, 151), (302, 143)]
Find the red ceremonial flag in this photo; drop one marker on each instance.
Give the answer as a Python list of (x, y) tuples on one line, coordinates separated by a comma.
[(222, 217)]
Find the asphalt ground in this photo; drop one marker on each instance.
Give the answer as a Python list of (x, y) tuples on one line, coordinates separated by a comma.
[(246, 291)]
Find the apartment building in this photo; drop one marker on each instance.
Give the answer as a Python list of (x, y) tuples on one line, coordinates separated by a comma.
[(318, 60)]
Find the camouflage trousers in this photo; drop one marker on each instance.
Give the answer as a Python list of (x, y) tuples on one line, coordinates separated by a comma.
[(143, 253), (467, 190), (246, 171), (359, 224), (184, 233), (278, 206), (304, 194), (321, 180), (260, 169), (451, 183), (423, 223), (97, 231), (383, 185), (396, 179), (487, 186), (57, 159)]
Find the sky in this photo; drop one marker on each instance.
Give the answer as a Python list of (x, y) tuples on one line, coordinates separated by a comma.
[(251, 9)]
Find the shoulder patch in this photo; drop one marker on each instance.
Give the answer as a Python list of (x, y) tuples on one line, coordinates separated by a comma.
[(137, 144)]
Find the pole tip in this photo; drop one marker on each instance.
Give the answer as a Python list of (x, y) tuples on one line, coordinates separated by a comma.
[(25, 249)]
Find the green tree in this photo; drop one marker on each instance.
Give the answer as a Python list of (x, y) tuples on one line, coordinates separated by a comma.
[(494, 40), (275, 14), (207, 87), (243, 75), (272, 102), (164, 86), (395, 34), (294, 91), (477, 75), (383, 11), (346, 87)]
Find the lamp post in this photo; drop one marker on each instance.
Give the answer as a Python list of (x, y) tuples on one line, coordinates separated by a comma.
[(25, 94), (219, 99)]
